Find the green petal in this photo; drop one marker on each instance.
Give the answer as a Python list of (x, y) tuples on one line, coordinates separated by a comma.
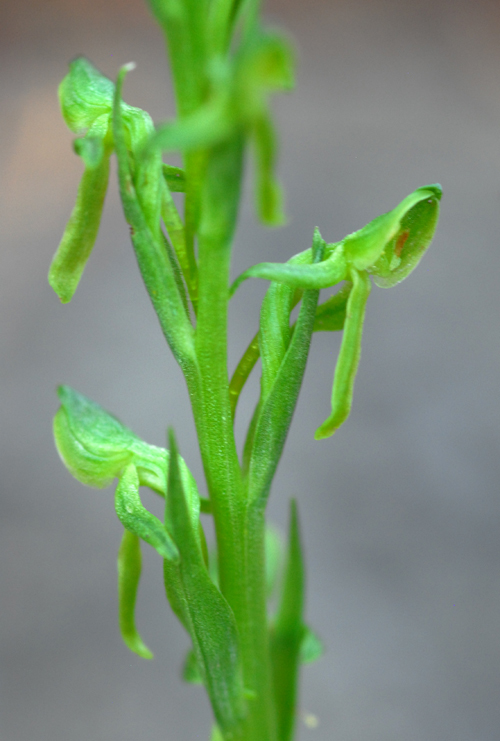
[(350, 353), (129, 573), (81, 231), (136, 518)]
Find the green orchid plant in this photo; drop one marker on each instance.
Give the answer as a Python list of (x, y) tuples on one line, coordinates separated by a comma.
[(225, 66)]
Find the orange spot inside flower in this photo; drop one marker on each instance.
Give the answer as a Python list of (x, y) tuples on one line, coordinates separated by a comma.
[(400, 243)]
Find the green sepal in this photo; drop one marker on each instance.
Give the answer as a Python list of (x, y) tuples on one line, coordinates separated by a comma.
[(405, 251), (299, 272), (129, 573), (287, 633), (277, 407), (85, 94), (349, 355), (96, 447), (311, 647), (383, 237), (175, 177), (201, 606), (136, 519)]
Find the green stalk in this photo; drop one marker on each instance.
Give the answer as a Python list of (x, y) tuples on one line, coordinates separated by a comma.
[(240, 532)]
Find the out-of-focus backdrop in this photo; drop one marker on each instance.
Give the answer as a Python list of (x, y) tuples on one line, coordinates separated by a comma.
[(400, 510)]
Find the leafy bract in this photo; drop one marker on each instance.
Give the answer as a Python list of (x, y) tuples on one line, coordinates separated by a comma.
[(288, 632), (201, 606), (279, 396), (153, 260)]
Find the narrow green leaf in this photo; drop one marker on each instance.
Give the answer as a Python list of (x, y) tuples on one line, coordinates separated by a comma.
[(129, 573), (287, 634), (202, 608), (349, 355), (278, 406), (136, 518)]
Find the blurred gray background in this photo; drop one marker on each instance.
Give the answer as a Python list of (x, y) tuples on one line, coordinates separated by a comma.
[(400, 510)]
